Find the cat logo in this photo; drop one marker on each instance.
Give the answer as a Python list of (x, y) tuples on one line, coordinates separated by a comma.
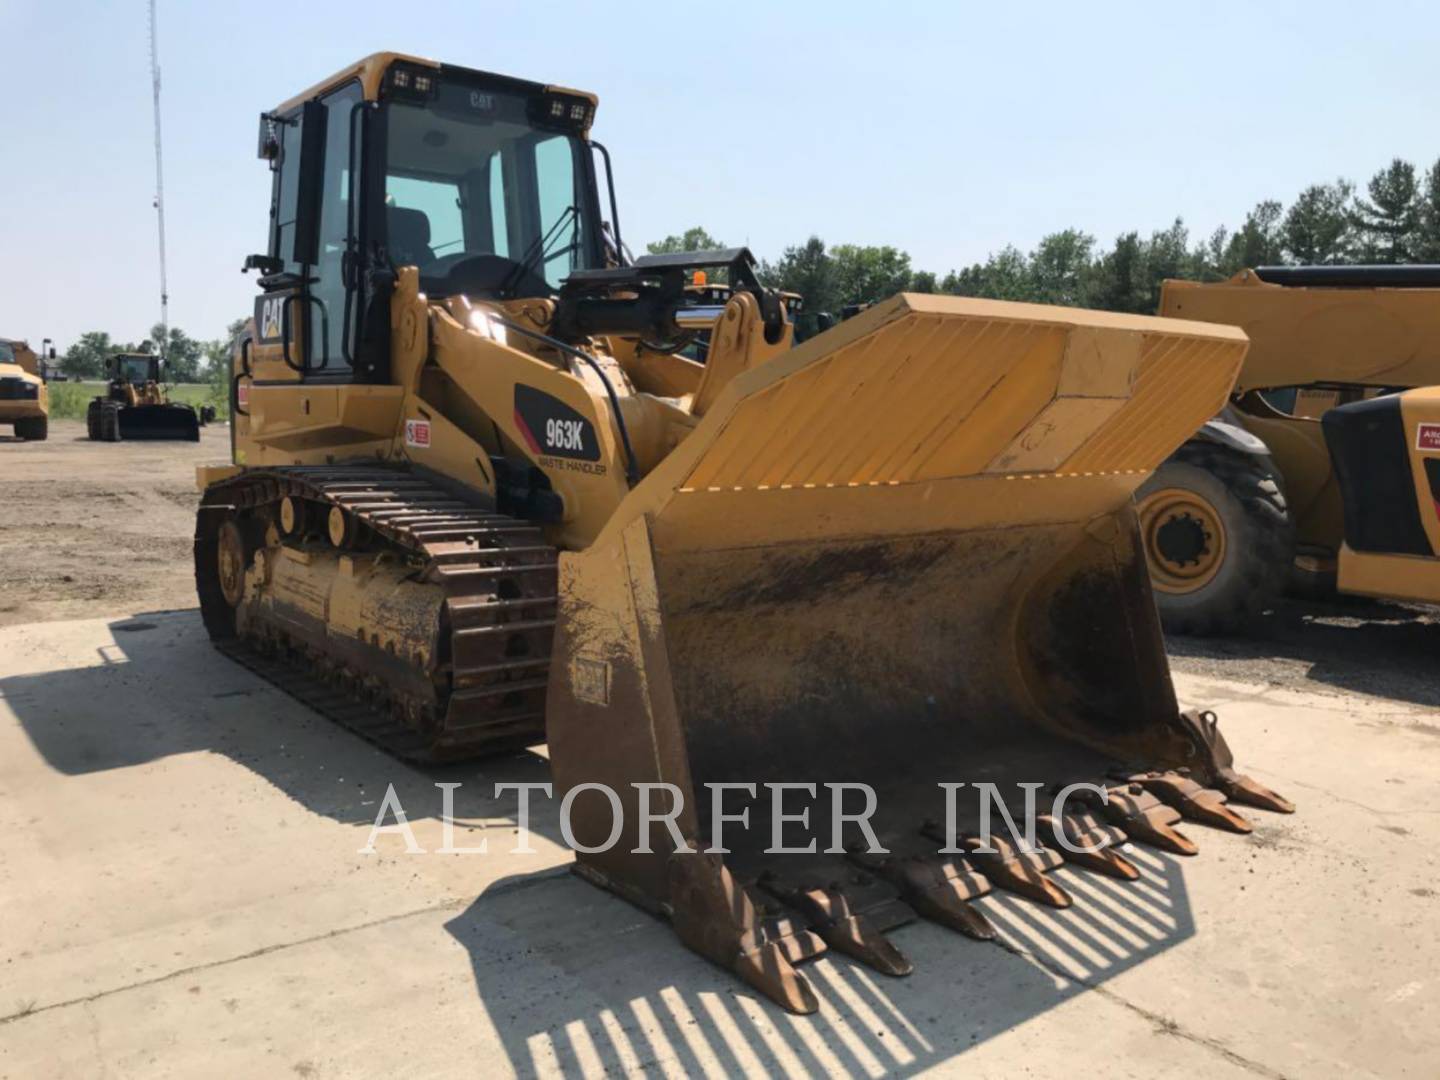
[(269, 317)]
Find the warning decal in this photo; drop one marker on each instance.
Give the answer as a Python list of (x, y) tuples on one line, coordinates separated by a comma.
[(417, 434), (1427, 437)]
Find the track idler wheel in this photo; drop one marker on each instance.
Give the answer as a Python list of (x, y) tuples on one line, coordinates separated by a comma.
[(294, 515), (231, 562), (342, 528)]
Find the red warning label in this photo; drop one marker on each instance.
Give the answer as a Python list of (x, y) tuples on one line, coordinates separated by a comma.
[(417, 433), (1427, 437)]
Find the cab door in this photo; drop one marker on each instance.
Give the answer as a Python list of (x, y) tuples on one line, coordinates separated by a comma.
[(310, 295)]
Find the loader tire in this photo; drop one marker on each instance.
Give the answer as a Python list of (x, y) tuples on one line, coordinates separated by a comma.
[(1218, 537), (92, 421), (109, 423), (33, 429)]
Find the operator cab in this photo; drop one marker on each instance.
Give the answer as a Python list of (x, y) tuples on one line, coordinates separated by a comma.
[(485, 183), (135, 368)]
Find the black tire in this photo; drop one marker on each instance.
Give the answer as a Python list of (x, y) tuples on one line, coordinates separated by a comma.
[(110, 421), (1251, 562), (92, 419), (33, 429)]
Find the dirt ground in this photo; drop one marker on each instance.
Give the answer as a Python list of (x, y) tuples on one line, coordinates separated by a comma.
[(91, 528)]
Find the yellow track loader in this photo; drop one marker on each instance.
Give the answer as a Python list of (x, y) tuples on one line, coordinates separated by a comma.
[(135, 404), (1314, 466), (480, 498), (24, 397)]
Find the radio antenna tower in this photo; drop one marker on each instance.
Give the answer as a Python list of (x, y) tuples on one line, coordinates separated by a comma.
[(159, 188)]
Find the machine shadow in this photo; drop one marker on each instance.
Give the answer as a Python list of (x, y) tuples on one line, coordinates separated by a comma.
[(584, 984), (1363, 646), (161, 690), (572, 978)]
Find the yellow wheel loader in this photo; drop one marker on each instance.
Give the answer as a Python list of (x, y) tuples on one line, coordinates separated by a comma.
[(1259, 498), (478, 500), (135, 404), (24, 397)]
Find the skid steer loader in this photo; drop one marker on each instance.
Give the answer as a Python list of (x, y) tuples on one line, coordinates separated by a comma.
[(1263, 496), (478, 499), (135, 404)]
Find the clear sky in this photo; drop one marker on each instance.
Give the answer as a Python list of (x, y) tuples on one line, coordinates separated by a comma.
[(946, 129)]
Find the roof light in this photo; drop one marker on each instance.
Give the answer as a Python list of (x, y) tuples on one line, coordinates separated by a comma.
[(411, 81)]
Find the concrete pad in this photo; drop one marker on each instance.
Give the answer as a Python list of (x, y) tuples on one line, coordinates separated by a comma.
[(182, 893)]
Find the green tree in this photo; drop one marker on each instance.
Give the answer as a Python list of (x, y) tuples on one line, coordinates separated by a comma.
[(183, 355), (1060, 268), (1259, 241), (1005, 275), (1119, 282), (864, 275), (923, 281), (1319, 227), (1427, 236), (85, 359), (1209, 258), (1388, 222), (806, 269), (696, 239)]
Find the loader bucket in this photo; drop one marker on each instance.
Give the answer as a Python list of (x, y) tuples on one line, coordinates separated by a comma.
[(170, 421), (901, 555)]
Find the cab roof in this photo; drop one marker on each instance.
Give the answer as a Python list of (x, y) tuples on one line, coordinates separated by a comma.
[(371, 69)]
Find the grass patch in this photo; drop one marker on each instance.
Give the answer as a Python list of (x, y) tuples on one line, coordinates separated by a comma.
[(69, 400)]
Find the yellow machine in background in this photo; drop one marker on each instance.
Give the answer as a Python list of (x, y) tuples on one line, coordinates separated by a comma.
[(24, 397), (136, 406), (1258, 499), (1386, 455), (480, 497)]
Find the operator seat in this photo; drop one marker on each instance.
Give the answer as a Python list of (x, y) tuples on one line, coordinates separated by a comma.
[(409, 236)]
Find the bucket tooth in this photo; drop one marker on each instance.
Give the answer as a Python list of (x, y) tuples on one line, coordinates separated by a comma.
[(716, 917), (1195, 803), (1204, 730), (1008, 867), (830, 914), (938, 887), (1098, 843), (1147, 820), (1243, 789), (794, 939)]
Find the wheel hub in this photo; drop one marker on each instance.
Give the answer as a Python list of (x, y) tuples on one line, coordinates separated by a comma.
[(1184, 539)]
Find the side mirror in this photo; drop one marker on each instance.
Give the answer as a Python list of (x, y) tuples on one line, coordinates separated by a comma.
[(308, 184)]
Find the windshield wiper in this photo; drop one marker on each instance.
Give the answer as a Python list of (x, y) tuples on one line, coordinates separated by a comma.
[(539, 249)]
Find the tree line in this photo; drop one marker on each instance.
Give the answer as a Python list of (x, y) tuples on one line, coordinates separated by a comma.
[(187, 359), (1395, 220)]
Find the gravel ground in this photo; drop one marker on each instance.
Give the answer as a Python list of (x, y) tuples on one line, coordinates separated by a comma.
[(89, 528), (1348, 645)]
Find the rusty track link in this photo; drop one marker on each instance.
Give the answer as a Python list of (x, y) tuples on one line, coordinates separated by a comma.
[(488, 677)]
